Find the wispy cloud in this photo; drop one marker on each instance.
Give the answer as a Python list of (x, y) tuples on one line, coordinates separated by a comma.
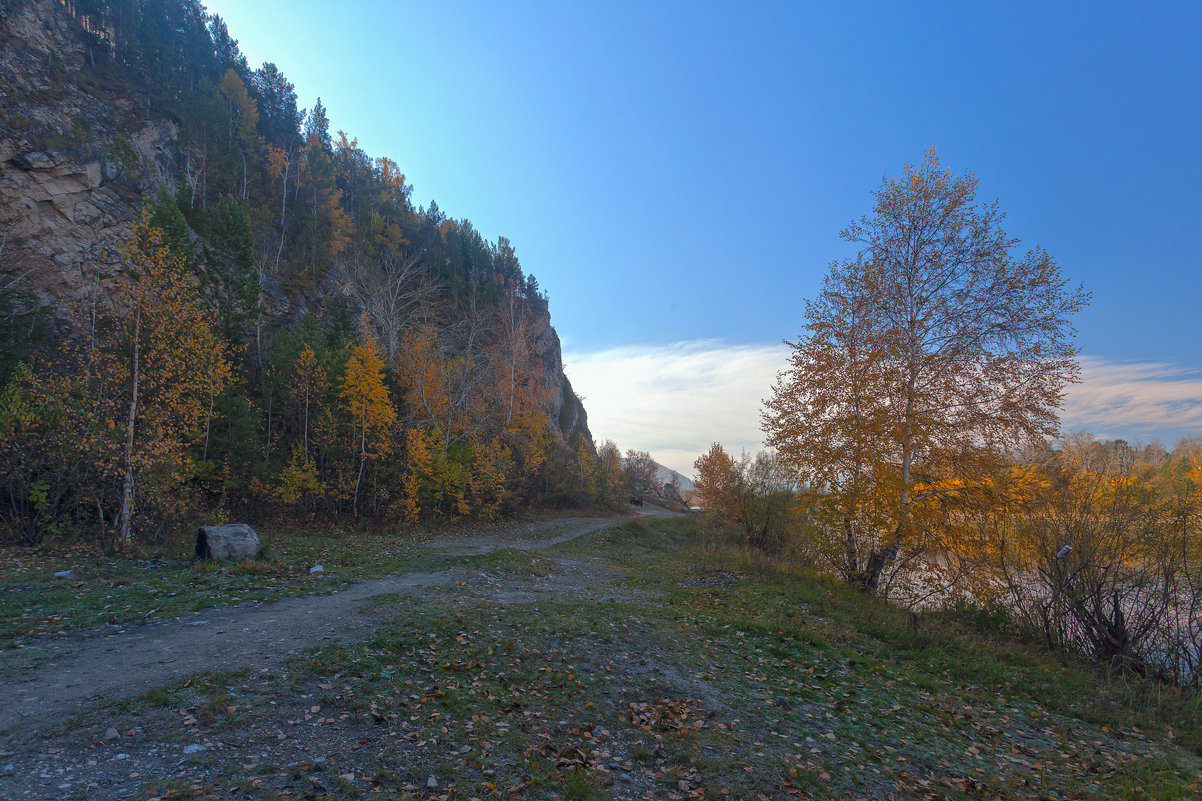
[(1135, 400), (674, 400)]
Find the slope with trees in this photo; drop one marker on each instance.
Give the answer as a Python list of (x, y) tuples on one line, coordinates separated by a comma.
[(284, 330)]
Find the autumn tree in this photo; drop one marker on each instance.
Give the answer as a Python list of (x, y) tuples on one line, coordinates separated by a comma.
[(824, 420), (366, 399), (949, 348), (641, 472), (298, 480), (517, 390), (715, 478), (486, 480), (162, 349), (609, 478), (308, 383), (1100, 555), (582, 466), (390, 290), (282, 165)]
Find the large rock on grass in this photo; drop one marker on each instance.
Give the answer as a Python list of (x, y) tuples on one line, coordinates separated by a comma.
[(230, 543)]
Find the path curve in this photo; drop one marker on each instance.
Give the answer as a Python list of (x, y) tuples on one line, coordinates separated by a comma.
[(225, 638)]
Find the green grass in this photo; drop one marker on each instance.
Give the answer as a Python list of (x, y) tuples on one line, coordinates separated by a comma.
[(767, 681), (121, 592), (108, 592), (116, 591), (729, 677)]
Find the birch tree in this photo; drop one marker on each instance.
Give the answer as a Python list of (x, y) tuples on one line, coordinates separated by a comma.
[(390, 290), (164, 352), (928, 354)]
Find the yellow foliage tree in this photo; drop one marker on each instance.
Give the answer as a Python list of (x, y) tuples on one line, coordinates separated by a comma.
[(486, 485), (418, 463), (310, 379), (715, 480), (366, 399), (162, 349), (927, 355), (584, 465), (298, 479)]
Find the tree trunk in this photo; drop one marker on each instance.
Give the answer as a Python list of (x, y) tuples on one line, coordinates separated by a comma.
[(127, 489), (283, 210), (209, 422), (362, 463), (877, 563), (851, 563)]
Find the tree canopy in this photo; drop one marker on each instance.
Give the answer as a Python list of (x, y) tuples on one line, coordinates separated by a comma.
[(933, 350)]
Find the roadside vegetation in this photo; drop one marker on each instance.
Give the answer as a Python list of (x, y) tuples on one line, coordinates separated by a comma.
[(283, 334), (916, 449), (709, 671), (95, 593)]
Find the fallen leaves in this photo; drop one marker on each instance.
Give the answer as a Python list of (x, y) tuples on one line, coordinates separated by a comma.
[(665, 715)]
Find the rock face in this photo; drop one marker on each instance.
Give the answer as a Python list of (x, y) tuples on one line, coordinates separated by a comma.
[(227, 543), (76, 164), (73, 216), (564, 409)]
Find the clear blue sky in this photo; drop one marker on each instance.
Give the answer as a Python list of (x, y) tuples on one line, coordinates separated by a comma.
[(680, 171)]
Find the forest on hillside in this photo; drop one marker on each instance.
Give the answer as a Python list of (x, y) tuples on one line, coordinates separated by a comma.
[(283, 331)]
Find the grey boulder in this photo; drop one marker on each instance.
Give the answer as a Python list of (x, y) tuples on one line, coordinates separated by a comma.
[(230, 543)]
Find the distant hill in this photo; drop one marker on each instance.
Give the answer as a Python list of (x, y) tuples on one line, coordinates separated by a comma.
[(665, 474)]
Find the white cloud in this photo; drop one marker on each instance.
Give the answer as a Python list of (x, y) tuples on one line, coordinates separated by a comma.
[(674, 400), (1135, 400)]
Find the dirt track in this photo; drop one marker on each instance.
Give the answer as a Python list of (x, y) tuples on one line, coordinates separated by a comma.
[(105, 668)]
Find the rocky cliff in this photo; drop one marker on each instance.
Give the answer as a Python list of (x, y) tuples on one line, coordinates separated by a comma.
[(74, 164), (79, 155)]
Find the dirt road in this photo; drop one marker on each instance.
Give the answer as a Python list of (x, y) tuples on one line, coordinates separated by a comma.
[(118, 666)]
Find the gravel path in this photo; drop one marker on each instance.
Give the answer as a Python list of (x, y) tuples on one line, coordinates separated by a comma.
[(108, 667)]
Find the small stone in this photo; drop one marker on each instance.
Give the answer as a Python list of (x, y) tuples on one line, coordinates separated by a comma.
[(431, 782), (317, 569), (65, 574), (111, 733), (194, 748), (121, 756)]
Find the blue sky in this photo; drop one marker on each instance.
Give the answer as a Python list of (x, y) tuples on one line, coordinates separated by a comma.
[(676, 174)]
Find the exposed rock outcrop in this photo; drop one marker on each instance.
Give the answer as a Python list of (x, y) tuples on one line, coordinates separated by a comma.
[(565, 411), (77, 161), (74, 164)]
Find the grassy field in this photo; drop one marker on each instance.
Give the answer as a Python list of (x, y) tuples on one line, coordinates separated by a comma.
[(114, 592), (683, 668)]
